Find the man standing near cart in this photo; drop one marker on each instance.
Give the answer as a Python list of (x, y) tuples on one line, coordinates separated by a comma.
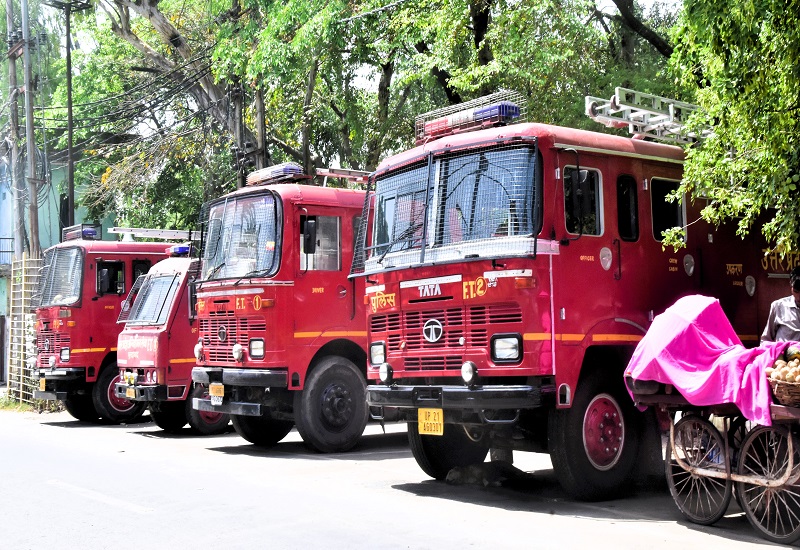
[(783, 323)]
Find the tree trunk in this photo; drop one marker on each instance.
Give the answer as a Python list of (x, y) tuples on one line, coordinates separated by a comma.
[(309, 165), (374, 145)]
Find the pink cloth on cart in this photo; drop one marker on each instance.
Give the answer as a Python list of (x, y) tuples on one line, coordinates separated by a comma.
[(693, 346)]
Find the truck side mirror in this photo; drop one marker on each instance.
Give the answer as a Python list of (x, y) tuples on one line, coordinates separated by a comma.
[(103, 281), (310, 236), (581, 203)]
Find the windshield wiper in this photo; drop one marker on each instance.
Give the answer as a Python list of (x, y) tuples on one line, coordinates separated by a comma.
[(251, 274), (407, 232), (215, 270)]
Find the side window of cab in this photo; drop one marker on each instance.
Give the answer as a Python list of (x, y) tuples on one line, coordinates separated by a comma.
[(320, 243)]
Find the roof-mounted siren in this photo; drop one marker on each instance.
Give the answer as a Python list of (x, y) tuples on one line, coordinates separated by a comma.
[(179, 250), (498, 109), (87, 231), (280, 173), (645, 115)]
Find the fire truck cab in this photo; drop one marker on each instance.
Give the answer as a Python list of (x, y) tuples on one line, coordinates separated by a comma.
[(156, 346), (511, 271), (81, 288), (282, 339)]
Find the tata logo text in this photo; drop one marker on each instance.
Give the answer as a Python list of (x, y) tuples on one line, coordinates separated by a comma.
[(426, 291)]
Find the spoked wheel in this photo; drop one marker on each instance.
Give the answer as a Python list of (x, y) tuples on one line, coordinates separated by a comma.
[(698, 444), (773, 511)]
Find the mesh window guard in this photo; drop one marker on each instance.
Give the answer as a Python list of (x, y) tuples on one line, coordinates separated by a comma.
[(151, 305), (475, 203), (242, 237), (60, 282)]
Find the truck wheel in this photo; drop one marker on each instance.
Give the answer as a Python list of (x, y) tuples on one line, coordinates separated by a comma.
[(437, 455), (331, 412), (110, 407), (594, 444), (170, 416), (263, 430), (203, 422), (81, 407)]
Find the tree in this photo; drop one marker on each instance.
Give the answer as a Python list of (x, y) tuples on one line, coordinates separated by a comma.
[(740, 61), (321, 83)]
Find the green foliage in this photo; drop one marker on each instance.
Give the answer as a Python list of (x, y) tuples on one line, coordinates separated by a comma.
[(740, 59), (344, 79)]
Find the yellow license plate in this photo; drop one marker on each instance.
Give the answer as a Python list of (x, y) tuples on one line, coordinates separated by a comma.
[(130, 393), (42, 384), (431, 421), (216, 389)]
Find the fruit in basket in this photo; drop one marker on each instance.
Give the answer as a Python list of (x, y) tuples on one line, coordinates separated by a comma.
[(792, 352)]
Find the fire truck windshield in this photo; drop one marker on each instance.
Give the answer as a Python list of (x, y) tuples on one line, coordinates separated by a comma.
[(60, 283), (471, 198), (152, 303), (242, 237)]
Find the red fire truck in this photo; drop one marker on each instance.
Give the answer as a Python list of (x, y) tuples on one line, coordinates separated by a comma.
[(82, 285), (282, 336), (511, 271), (155, 349)]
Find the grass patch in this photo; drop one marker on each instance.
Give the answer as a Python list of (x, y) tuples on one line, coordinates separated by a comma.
[(7, 403)]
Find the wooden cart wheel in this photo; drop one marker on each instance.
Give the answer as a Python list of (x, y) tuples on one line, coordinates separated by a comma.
[(773, 511), (698, 444)]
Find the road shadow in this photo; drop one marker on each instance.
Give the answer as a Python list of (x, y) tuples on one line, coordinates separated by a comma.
[(369, 447), (75, 423), (184, 433), (540, 493)]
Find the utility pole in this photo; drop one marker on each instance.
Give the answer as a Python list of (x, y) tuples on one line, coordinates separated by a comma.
[(68, 8), (15, 46), (33, 205)]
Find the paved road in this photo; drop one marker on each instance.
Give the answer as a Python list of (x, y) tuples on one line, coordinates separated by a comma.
[(70, 485)]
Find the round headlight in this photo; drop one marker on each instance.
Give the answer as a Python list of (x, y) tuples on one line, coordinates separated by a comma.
[(51, 360), (469, 372), (385, 373), (198, 350), (238, 352)]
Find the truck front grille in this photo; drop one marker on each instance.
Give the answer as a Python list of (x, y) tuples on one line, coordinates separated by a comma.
[(235, 331), (464, 328)]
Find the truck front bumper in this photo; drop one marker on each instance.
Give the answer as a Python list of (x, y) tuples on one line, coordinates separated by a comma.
[(141, 393), (56, 383), (455, 397), (237, 378)]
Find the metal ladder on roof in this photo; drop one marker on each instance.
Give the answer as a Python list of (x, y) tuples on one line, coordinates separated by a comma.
[(645, 115)]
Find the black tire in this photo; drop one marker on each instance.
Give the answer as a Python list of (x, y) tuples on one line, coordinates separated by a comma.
[(203, 422), (331, 412), (110, 407), (437, 455), (81, 407), (586, 468), (170, 416), (263, 430)]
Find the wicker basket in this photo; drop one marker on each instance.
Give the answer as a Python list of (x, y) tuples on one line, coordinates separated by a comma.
[(786, 393)]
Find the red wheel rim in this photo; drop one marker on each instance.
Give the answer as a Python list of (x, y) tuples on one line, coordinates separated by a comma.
[(603, 432), (117, 403), (210, 417)]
